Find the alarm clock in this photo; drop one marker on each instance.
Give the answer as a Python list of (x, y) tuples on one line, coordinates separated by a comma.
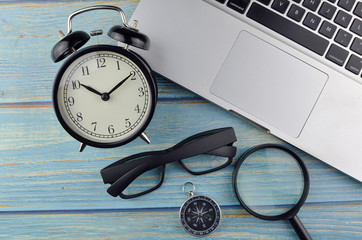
[(104, 96)]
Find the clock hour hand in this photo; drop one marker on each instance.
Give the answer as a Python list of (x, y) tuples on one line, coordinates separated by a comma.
[(119, 84), (91, 89)]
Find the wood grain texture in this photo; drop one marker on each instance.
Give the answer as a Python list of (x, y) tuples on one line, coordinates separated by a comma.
[(164, 224), (50, 190)]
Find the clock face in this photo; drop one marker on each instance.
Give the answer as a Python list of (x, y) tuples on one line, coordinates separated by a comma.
[(200, 215), (104, 96)]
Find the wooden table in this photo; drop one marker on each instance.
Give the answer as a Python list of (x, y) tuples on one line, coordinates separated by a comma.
[(50, 190)]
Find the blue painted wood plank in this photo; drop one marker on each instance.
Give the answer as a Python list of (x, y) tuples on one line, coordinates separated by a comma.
[(236, 224)]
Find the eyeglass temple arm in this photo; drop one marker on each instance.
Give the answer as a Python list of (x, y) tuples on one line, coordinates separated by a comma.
[(224, 151), (111, 173), (122, 183)]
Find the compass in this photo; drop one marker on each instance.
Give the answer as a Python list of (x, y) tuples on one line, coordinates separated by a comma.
[(200, 215)]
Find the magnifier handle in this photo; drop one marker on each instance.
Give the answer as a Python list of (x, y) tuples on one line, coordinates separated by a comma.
[(299, 228)]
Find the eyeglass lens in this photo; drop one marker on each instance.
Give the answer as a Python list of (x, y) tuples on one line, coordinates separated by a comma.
[(144, 182), (204, 162)]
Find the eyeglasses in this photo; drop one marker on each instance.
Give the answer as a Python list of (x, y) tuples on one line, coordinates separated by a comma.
[(142, 173)]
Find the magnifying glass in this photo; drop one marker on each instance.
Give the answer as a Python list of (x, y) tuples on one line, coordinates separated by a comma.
[(272, 183)]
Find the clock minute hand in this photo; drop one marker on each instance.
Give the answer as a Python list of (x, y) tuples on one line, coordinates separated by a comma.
[(91, 89), (119, 84)]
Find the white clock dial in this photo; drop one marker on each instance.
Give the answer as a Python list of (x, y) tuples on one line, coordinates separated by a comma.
[(104, 97)]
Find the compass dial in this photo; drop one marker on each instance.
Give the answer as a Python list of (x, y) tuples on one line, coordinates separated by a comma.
[(200, 215)]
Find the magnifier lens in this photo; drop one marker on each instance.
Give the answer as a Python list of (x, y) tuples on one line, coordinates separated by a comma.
[(270, 181)]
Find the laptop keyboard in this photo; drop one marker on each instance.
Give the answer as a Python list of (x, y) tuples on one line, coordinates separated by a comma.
[(331, 28)]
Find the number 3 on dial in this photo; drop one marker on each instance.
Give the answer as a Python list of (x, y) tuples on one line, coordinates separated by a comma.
[(104, 96)]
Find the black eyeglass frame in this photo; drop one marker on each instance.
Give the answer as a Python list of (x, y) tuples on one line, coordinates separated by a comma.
[(213, 142)]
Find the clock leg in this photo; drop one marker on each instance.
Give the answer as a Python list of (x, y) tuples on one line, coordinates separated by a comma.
[(144, 137), (81, 147), (61, 35)]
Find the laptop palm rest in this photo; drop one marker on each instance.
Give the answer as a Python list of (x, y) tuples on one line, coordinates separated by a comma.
[(269, 84)]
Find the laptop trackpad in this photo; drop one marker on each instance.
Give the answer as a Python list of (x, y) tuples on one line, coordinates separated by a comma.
[(269, 84)]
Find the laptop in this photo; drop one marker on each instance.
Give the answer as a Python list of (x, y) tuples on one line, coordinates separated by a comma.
[(292, 67)]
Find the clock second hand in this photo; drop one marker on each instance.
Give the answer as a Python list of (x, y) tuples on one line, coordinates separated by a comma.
[(119, 84)]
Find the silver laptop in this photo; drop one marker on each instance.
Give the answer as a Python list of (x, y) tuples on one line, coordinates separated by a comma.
[(292, 67)]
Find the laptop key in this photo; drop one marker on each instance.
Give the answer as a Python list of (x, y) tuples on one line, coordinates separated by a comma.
[(327, 10), (343, 37), (280, 5), (354, 64), (357, 46), (311, 4), (358, 10), (295, 12), (342, 18), (337, 55), (346, 4), (327, 29), (357, 27), (238, 5), (288, 28), (312, 21), (221, 1)]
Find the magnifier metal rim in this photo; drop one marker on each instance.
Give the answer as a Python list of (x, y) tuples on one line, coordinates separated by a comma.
[(294, 210)]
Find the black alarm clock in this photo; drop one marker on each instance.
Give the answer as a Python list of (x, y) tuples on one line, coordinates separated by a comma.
[(103, 96)]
